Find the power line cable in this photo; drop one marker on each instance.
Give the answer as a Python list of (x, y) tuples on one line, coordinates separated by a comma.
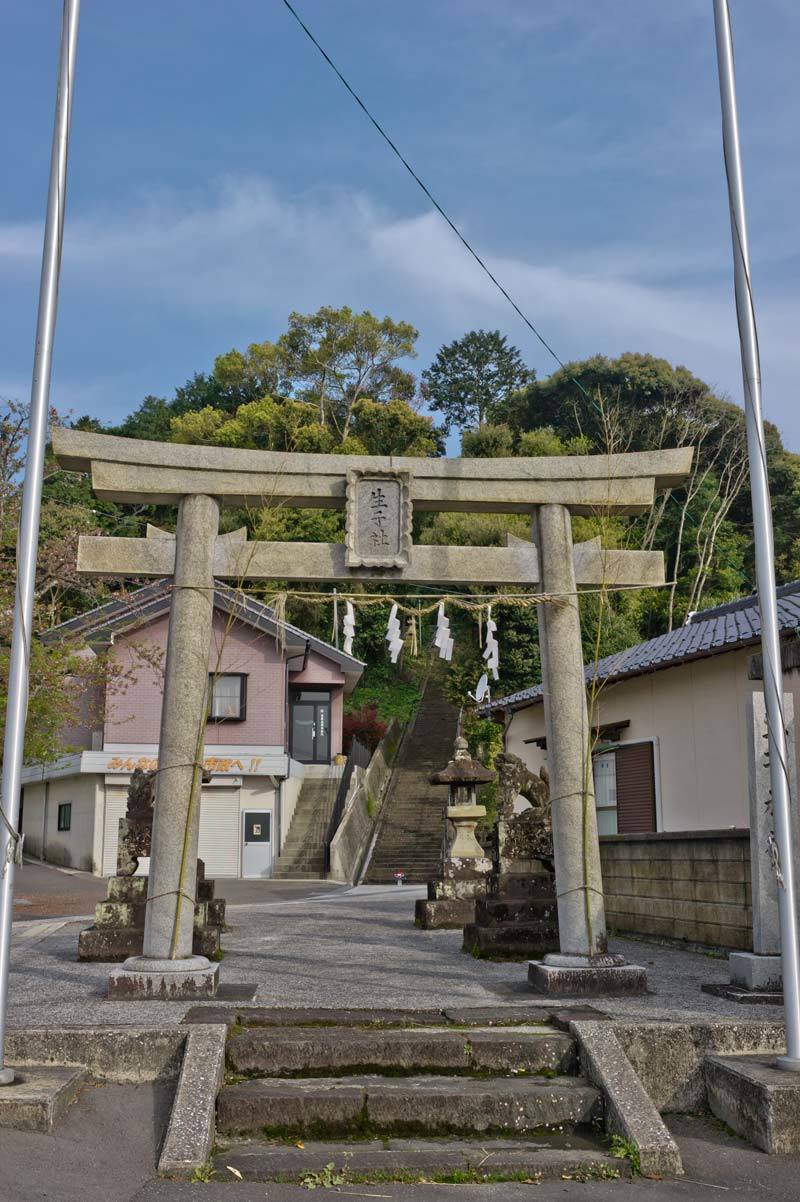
[(426, 190)]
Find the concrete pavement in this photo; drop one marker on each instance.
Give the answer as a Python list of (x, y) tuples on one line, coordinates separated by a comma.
[(345, 948)]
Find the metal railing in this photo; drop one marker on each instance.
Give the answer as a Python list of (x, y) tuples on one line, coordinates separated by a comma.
[(358, 756)]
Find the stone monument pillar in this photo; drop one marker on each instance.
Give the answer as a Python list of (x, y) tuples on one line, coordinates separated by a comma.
[(583, 965), (451, 898), (167, 969), (759, 971)]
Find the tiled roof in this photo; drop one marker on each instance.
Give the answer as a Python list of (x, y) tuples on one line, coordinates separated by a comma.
[(145, 604), (707, 632)]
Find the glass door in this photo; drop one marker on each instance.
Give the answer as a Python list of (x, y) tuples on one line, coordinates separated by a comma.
[(311, 727)]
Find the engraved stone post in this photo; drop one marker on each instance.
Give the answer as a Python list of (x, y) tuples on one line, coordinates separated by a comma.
[(167, 968), (583, 966), (760, 970)]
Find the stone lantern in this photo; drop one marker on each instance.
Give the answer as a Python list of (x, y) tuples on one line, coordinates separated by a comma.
[(462, 776), (451, 898)]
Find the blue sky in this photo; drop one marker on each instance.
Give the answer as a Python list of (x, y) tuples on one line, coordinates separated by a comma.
[(220, 177)]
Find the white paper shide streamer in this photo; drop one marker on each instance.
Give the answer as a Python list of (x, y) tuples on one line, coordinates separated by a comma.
[(491, 652), (349, 628), (443, 639), (394, 635)]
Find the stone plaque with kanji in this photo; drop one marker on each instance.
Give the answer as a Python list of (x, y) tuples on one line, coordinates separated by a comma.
[(378, 526)]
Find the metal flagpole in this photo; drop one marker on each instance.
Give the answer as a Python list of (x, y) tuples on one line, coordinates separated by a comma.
[(762, 533), (28, 536)]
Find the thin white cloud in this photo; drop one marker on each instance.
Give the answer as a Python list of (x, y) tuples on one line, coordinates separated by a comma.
[(245, 255)]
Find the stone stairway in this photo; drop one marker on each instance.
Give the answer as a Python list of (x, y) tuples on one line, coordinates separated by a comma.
[(406, 1097), (302, 855), (412, 821)]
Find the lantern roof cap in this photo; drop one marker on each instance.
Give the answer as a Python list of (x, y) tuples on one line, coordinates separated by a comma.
[(463, 769)]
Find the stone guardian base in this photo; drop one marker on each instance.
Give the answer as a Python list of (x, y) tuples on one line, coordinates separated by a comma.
[(586, 976), (141, 978)]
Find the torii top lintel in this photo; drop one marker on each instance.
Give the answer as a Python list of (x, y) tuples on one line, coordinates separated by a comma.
[(133, 471)]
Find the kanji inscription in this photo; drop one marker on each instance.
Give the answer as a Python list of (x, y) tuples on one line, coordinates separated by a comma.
[(378, 519)]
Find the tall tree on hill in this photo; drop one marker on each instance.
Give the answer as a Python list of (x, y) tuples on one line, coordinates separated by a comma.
[(332, 360), (336, 358), (472, 377)]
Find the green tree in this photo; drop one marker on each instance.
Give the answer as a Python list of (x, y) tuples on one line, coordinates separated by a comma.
[(332, 360), (471, 378), (335, 358)]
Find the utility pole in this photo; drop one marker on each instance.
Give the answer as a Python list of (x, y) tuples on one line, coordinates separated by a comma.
[(762, 534), (28, 535)]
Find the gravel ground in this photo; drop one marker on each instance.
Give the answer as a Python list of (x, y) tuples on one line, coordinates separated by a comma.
[(345, 948)]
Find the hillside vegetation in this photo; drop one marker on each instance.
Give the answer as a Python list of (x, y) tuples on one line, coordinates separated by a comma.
[(338, 382)]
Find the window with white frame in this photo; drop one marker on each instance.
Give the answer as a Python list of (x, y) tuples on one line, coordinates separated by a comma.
[(625, 788), (605, 792), (228, 697)]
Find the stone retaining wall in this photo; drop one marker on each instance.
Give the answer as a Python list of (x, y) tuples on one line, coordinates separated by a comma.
[(351, 841), (692, 885)]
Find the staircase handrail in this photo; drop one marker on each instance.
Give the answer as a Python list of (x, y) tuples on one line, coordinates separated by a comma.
[(358, 756)]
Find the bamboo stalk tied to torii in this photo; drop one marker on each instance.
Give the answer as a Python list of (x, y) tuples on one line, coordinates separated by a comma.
[(379, 495)]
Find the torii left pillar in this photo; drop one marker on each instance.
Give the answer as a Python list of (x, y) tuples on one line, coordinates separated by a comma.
[(167, 969)]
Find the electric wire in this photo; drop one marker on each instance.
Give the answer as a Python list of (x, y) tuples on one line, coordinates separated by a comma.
[(439, 208)]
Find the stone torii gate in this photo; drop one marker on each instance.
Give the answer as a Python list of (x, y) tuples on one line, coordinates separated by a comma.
[(379, 495)]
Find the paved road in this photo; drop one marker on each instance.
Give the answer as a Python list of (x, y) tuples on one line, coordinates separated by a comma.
[(45, 891)]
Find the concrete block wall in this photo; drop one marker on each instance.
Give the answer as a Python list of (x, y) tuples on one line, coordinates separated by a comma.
[(692, 885)]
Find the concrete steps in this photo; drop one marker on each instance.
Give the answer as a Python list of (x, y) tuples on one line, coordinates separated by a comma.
[(302, 855), (412, 824), (279, 1051), (404, 1105), (409, 1160), (388, 1096)]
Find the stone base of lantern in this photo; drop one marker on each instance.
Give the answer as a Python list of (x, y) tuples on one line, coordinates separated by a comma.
[(452, 896)]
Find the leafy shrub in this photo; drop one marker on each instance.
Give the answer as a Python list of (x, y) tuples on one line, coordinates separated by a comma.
[(364, 725)]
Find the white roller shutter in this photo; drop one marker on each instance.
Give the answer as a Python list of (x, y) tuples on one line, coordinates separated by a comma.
[(219, 831), (116, 804)]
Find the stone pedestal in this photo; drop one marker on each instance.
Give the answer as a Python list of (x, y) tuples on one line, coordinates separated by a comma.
[(118, 930), (452, 896), (518, 918), (586, 976), (759, 974), (143, 978)]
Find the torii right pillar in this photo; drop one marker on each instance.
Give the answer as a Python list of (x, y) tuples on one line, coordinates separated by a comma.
[(583, 967)]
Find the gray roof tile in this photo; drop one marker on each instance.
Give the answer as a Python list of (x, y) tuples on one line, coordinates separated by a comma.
[(707, 632)]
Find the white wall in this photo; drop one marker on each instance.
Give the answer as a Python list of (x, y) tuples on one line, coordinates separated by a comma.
[(290, 791), (74, 848), (33, 814), (698, 713)]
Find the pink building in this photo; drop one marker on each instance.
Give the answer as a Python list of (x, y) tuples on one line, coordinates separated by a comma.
[(275, 719)]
